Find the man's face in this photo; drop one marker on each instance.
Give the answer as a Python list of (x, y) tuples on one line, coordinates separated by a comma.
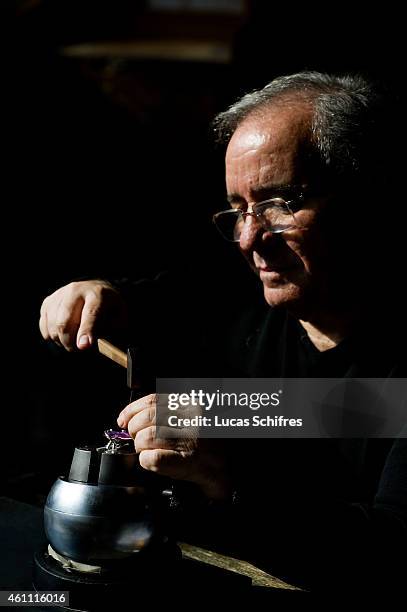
[(264, 154)]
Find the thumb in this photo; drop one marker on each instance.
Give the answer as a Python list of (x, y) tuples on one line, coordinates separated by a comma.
[(90, 311)]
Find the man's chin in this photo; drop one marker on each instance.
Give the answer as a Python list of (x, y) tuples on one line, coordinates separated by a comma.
[(283, 294)]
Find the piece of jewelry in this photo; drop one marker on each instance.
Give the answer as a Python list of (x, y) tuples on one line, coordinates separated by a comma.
[(117, 439)]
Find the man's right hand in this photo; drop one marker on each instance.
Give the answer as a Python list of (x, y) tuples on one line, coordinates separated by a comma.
[(70, 314)]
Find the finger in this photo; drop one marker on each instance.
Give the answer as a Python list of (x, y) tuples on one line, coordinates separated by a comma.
[(90, 314), (52, 316), (68, 318), (44, 328), (146, 439), (143, 403), (43, 324), (141, 420), (166, 462)]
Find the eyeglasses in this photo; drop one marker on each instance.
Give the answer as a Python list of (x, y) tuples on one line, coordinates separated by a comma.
[(275, 215)]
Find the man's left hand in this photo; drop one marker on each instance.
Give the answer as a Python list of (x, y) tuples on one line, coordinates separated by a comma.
[(192, 459)]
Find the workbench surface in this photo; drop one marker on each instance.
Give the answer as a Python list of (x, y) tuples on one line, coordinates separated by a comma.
[(22, 534)]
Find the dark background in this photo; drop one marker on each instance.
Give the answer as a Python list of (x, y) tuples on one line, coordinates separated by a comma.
[(109, 170)]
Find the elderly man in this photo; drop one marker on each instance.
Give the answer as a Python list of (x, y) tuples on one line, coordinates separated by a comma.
[(309, 199)]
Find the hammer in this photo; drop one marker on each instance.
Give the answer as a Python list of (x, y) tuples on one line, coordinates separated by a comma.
[(127, 360)]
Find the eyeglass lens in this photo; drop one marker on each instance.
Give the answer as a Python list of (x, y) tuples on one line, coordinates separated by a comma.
[(276, 218)]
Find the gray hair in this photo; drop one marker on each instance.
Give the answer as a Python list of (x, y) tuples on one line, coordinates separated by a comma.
[(347, 124)]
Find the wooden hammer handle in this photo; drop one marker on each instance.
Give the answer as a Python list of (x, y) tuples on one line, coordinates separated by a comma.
[(112, 352)]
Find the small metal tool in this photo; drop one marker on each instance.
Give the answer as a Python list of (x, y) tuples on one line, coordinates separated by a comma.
[(130, 361)]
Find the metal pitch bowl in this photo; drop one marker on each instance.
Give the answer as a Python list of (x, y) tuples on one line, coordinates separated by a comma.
[(99, 513), (97, 523)]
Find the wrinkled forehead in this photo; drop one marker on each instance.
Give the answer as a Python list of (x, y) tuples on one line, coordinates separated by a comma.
[(275, 130), (272, 148)]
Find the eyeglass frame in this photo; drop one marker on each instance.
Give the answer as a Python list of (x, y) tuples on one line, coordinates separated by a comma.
[(298, 199)]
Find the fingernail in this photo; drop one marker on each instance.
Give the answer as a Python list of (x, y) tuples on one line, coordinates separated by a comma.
[(120, 422), (83, 341)]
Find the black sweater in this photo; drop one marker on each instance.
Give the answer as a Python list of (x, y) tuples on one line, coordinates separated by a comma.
[(325, 513)]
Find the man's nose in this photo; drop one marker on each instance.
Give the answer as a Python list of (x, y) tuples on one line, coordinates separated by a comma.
[(251, 232)]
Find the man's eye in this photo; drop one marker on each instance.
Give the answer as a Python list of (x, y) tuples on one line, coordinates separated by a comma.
[(276, 206), (280, 207)]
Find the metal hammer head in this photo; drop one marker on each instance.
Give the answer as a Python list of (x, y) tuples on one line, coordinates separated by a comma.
[(133, 368)]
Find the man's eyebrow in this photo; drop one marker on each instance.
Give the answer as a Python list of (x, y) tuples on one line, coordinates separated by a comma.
[(265, 190), (281, 188), (234, 197)]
